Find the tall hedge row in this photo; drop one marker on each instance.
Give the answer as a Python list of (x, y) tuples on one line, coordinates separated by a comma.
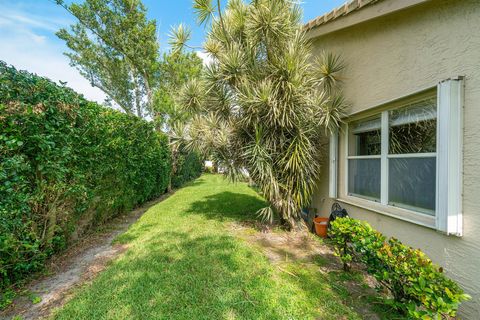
[(66, 164), (189, 167)]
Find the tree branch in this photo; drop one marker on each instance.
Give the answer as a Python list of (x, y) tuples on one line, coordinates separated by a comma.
[(219, 9), (113, 44)]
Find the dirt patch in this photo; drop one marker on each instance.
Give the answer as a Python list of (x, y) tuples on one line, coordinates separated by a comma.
[(80, 263), (301, 247), (284, 246)]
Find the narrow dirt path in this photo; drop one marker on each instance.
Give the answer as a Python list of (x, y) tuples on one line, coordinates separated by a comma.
[(80, 263)]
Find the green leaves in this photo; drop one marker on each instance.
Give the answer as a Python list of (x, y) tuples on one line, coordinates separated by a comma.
[(192, 96), (332, 111), (204, 10), (418, 286), (263, 86), (189, 166), (178, 37), (175, 70), (115, 47), (328, 66), (64, 160)]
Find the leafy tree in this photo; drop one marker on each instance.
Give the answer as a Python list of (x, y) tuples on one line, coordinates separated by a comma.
[(114, 46), (265, 104), (174, 71)]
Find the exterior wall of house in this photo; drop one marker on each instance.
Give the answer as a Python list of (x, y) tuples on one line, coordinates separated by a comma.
[(396, 55)]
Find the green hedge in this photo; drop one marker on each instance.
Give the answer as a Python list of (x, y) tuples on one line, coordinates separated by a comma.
[(66, 164), (419, 287), (189, 167)]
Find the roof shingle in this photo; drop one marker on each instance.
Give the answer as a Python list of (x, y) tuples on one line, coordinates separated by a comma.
[(347, 8)]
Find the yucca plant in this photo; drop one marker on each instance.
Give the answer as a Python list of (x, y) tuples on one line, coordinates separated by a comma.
[(265, 104)]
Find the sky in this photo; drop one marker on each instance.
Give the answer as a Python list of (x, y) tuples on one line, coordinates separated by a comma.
[(28, 40)]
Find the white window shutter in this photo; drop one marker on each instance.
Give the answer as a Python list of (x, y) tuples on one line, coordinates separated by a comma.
[(333, 165), (450, 156)]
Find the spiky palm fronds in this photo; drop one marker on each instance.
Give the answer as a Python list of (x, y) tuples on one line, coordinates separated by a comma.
[(264, 104), (266, 214), (192, 96), (328, 67), (332, 112), (204, 9), (178, 37), (213, 47)]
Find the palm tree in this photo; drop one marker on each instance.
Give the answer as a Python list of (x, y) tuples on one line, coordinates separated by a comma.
[(264, 104)]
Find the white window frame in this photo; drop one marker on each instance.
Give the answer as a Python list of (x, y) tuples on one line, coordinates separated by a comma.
[(333, 166), (450, 160), (384, 160), (349, 157), (448, 216)]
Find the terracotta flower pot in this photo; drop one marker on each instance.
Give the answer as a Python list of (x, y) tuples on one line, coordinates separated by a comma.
[(321, 226)]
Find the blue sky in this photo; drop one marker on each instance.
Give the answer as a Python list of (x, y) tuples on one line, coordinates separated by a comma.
[(28, 41)]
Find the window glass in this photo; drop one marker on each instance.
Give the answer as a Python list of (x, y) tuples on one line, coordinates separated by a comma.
[(364, 178), (410, 158), (365, 137), (412, 183), (413, 129)]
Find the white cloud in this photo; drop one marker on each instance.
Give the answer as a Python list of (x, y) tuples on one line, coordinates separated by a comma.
[(42, 58), (206, 57), (38, 38), (28, 43), (17, 17), (26, 21)]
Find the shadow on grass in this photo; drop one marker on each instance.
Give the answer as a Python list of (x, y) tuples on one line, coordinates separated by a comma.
[(227, 205), (186, 267), (182, 276), (222, 206), (194, 183)]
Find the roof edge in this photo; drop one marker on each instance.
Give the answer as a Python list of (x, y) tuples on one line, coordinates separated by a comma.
[(355, 12), (347, 8)]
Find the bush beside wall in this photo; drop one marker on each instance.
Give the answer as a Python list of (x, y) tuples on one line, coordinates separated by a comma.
[(419, 287), (66, 164)]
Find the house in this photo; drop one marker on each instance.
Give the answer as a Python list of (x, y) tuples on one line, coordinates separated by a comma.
[(407, 160)]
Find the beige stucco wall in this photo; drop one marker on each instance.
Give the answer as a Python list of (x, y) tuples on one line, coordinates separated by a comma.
[(399, 54)]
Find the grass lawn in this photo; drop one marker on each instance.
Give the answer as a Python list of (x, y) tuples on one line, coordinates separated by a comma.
[(184, 262)]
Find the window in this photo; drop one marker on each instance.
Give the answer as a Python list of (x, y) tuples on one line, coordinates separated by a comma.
[(364, 158), (408, 157), (412, 145), (404, 140)]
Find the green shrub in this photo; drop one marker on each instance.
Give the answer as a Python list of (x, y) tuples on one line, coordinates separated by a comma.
[(66, 164), (189, 167), (419, 287)]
